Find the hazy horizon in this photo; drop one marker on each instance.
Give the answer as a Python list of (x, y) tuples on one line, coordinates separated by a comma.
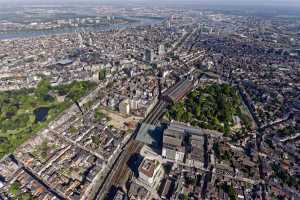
[(284, 3)]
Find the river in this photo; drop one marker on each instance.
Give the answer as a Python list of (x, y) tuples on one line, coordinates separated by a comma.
[(137, 21)]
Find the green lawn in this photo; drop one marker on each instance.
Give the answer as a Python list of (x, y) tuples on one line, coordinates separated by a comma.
[(17, 118)]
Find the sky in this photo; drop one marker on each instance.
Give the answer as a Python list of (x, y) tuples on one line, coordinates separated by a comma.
[(289, 3)]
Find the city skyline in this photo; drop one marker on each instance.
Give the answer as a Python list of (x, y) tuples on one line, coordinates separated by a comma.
[(149, 100), (199, 2)]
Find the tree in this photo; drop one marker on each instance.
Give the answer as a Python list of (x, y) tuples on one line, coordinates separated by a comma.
[(43, 149), (285, 177), (230, 191), (102, 74), (226, 156), (226, 128), (73, 130), (186, 116), (198, 111), (27, 196), (185, 196), (22, 120), (88, 105), (212, 107), (96, 140), (43, 88), (15, 188), (216, 148), (79, 88), (226, 89), (246, 120)]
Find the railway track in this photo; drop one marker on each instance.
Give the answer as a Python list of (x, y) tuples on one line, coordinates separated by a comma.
[(119, 170), (156, 113), (123, 169), (120, 167)]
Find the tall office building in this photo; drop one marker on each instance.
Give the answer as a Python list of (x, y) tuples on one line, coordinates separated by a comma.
[(161, 50), (169, 24), (149, 55)]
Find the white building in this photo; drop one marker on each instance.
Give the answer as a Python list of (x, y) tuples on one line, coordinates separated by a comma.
[(134, 104), (124, 106), (161, 50), (150, 172)]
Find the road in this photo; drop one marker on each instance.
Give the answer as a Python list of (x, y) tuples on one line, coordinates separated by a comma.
[(184, 38), (33, 174), (119, 167), (54, 159), (76, 144), (277, 122)]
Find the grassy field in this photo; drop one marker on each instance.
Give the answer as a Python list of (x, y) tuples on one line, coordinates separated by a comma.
[(17, 110)]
